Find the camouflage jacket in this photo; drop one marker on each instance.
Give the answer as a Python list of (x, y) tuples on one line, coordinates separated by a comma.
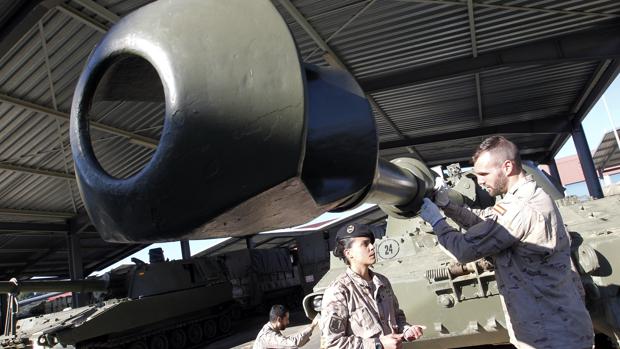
[(526, 237), (268, 337), (355, 312)]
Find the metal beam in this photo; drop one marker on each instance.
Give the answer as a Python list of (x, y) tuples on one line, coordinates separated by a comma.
[(249, 243), (342, 27), (607, 158), (79, 223), (403, 137), (520, 8), (526, 154), (285, 242), (540, 126), (76, 267), (186, 252), (30, 263), (553, 168), (51, 234), (474, 50), (30, 170), (600, 82), (111, 259), (22, 250), (589, 45), (12, 264), (59, 135), (596, 79), (587, 164), (71, 12), (603, 76), (266, 241), (61, 274), (306, 26), (21, 22), (134, 138), (99, 10), (37, 214), (32, 227)]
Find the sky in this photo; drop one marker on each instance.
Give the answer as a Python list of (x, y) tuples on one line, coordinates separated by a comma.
[(595, 125)]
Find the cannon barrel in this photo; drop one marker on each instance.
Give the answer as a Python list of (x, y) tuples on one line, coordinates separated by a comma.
[(253, 139), (53, 286)]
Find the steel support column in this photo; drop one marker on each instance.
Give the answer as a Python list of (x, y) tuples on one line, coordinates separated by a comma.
[(4, 298), (185, 250), (587, 164), (249, 243), (76, 268), (553, 167)]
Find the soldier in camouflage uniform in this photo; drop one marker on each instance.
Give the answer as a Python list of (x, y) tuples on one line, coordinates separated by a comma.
[(359, 308), (270, 336), (526, 237)]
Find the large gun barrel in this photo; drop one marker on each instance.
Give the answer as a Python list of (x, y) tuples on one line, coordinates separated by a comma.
[(81, 286), (253, 138)]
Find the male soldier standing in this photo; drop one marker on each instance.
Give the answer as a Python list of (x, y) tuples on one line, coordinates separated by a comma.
[(359, 309), (525, 235), (270, 336)]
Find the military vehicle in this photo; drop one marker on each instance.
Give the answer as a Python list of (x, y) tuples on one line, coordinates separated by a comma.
[(44, 304), (261, 277), (459, 303), (172, 304), (166, 304)]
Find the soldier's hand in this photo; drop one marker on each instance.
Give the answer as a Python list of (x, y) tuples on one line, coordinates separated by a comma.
[(414, 332), (430, 212), (441, 193), (392, 341)]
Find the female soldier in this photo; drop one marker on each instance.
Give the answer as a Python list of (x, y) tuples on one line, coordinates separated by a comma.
[(359, 309)]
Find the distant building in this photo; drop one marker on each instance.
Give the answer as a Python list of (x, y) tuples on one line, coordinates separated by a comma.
[(606, 161)]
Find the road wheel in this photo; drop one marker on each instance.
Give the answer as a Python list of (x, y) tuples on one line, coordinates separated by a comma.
[(210, 329), (177, 338), (236, 312), (224, 324), (194, 333), (158, 342), (138, 345)]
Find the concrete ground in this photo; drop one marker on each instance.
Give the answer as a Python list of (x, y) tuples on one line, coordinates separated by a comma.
[(244, 333)]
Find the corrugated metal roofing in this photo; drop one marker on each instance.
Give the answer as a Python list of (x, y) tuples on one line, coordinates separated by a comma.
[(36, 168), (372, 216), (607, 155), (438, 113)]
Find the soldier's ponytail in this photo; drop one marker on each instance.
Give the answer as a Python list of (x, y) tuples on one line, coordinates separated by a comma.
[(342, 245)]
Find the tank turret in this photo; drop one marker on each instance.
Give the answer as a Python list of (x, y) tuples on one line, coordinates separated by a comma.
[(89, 285)]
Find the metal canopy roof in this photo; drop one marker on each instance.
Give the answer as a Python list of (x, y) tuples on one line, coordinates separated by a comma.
[(440, 75), (372, 216), (607, 155)]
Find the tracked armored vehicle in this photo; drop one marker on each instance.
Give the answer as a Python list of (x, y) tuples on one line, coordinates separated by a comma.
[(459, 303), (166, 304), (175, 304)]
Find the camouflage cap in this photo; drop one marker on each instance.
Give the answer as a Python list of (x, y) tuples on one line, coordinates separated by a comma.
[(355, 230)]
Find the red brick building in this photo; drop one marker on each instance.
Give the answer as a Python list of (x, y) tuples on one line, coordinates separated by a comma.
[(570, 170)]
